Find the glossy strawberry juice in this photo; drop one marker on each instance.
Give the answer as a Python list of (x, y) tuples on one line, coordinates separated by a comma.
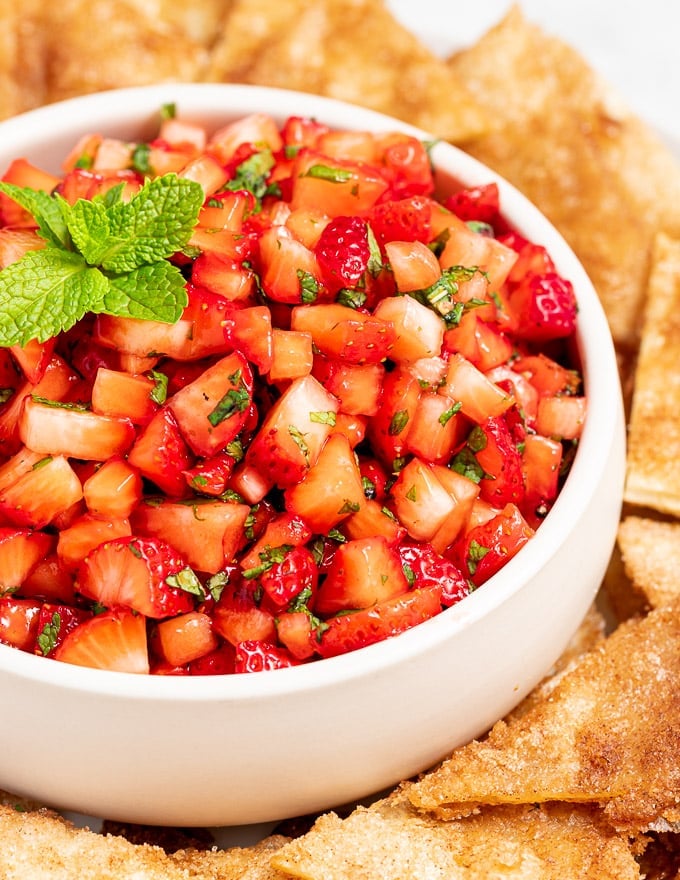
[(265, 398)]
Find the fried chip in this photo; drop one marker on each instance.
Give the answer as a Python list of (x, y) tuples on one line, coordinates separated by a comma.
[(22, 61), (653, 475), (96, 46), (563, 137), (354, 50), (608, 733), (650, 551), (391, 842), (42, 838)]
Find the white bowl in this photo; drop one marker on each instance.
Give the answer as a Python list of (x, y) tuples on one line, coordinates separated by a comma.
[(231, 750)]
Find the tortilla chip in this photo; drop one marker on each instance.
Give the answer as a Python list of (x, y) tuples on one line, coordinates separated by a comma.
[(653, 471), (608, 733), (564, 138), (389, 841), (354, 50), (22, 84), (650, 551), (97, 46), (63, 852)]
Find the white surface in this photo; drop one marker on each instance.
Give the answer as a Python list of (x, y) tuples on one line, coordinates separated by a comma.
[(633, 43), (234, 749)]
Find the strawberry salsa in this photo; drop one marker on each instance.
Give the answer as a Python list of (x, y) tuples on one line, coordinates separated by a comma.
[(264, 397)]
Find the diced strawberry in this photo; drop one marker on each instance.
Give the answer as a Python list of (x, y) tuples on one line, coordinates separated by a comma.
[(161, 455), (19, 622), (217, 662), (282, 529), (388, 429), (123, 395), (343, 252), (421, 503), (33, 358), (55, 622), (249, 330), (207, 533), (143, 574), (292, 355), (224, 274), (545, 307), (296, 632), (561, 417), (51, 581), (405, 163), (258, 656), (343, 188), (331, 489), (114, 640), (186, 637), (38, 497), (486, 547), (500, 460), (419, 332), (365, 572), (475, 203), (20, 551), (237, 617), (114, 489), (290, 438), (427, 569), (285, 572), (349, 632), (212, 410), (541, 460), (84, 534), (210, 476), (401, 220), (60, 430)]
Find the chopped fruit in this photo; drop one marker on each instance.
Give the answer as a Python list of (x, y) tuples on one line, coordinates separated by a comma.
[(186, 637), (325, 402), (20, 551), (143, 574), (114, 640)]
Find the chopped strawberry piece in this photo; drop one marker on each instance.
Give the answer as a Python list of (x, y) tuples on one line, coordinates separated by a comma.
[(479, 203), (143, 574), (115, 640), (55, 622), (254, 656), (545, 307), (349, 632), (343, 252)]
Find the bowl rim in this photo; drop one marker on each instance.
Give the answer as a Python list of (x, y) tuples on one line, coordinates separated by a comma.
[(195, 100)]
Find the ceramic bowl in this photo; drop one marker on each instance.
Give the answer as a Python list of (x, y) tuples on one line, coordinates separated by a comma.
[(230, 750)]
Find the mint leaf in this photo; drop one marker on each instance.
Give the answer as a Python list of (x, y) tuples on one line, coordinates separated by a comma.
[(90, 226), (102, 255), (152, 293), (154, 224), (45, 292), (46, 210)]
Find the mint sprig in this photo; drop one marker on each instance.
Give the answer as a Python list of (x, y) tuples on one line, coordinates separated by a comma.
[(101, 255)]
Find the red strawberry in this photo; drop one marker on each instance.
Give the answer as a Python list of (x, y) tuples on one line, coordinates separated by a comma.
[(545, 307), (254, 656), (343, 253), (402, 220), (114, 640), (427, 569), (144, 574), (55, 622), (494, 447), (475, 203)]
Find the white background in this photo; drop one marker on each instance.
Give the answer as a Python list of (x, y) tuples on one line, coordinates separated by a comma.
[(635, 44)]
